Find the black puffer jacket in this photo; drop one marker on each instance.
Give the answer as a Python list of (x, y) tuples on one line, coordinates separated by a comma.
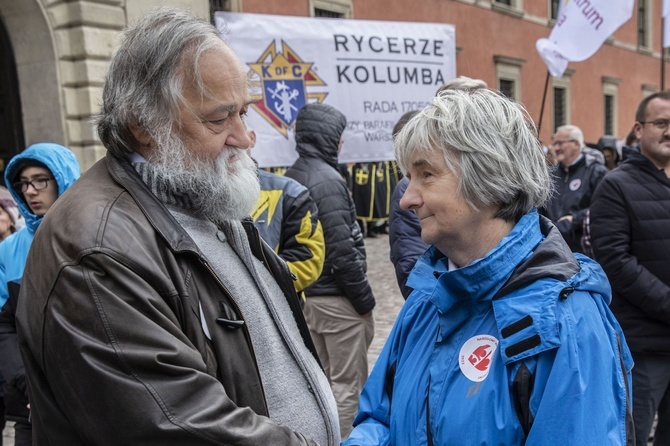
[(318, 131), (630, 232)]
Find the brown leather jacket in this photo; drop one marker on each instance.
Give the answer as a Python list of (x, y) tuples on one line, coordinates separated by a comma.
[(110, 332)]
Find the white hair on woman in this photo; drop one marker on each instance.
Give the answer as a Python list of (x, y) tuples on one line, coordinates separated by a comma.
[(489, 142)]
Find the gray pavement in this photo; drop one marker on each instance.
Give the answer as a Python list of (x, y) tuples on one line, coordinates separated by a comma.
[(8, 435), (381, 275)]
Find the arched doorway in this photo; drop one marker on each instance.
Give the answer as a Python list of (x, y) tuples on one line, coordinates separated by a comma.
[(11, 127)]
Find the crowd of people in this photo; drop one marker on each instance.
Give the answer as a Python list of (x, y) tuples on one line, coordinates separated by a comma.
[(176, 294)]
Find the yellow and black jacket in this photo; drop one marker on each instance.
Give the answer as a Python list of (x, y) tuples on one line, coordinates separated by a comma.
[(287, 219)]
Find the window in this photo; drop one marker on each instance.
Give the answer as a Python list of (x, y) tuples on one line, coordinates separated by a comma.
[(511, 7), (560, 107), (508, 75), (561, 97), (325, 13), (508, 4), (609, 114), (507, 87), (643, 31), (224, 5), (337, 9), (219, 5), (553, 9), (610, 111)]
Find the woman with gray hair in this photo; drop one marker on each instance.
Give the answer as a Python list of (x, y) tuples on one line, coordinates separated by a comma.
[(507, 337)]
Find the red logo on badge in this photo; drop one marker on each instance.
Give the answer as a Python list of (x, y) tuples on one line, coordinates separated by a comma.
[(476, 356), (480, 357)]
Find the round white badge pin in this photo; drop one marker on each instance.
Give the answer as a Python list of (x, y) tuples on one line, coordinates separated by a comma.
[(476, 357)]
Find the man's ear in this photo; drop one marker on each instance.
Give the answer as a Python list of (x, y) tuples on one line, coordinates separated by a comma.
[(637, 130), (145, 142)]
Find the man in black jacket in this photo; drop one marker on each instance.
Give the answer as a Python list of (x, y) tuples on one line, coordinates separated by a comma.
[(339, 305), (576, 175), (150, 312), (630, 230)]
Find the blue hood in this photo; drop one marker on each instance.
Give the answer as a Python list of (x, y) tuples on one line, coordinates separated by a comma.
[(59, 160)]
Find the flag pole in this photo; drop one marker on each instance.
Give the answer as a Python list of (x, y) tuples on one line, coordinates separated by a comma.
[(544, 98)]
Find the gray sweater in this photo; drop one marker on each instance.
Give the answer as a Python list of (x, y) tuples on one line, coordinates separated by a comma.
[(296, 390)]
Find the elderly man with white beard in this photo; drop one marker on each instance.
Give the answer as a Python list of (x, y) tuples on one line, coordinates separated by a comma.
[(151, 312)]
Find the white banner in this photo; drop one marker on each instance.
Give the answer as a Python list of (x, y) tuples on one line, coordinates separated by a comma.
[(371, 71), (581, 28)]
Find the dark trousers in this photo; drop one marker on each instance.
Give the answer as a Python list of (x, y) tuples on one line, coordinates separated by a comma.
[(651, 394), (23, 434), (2, 417)]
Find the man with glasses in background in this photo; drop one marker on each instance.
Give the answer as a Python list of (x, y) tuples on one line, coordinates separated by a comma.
[(36, 178), (575, 175), (630, 233)]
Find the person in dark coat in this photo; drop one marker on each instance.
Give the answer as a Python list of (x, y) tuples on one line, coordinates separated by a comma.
[(36, 178), (575, 177), (404, 238), (607, 144), (630, 233), (372, 186), (405, 241), (339, 304)]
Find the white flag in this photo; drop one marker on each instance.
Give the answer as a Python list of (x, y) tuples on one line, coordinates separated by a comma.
[(666, 23), (581, 28)]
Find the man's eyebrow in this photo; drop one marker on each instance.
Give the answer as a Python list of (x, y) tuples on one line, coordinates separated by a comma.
[(230, 108)]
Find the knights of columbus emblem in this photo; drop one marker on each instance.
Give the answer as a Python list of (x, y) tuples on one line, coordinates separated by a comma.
[(284, 78)]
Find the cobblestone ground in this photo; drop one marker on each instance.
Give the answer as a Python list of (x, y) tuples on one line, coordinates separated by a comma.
[(8, 436), (381, 275)]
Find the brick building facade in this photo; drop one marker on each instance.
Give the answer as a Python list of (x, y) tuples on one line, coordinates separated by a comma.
[(54, 53)]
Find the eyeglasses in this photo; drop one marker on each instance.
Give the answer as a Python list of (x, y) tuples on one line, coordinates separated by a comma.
[(660, 124), (37, 184), (560, 143)]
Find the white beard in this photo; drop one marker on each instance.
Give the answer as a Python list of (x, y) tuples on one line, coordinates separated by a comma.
[(221, 190)]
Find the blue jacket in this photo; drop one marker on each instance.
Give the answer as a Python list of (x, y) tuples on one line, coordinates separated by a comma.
[(14, 249), (517, 348)]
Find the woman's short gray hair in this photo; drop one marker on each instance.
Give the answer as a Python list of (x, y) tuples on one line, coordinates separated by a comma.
[(488, 142), (144, 83)]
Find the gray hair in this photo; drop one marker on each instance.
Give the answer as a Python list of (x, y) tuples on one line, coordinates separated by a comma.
[(462, 83), (488, 142), (144, 83), (575, 133)]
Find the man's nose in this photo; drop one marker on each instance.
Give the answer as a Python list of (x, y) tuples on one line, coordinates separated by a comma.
[(239, 134)]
